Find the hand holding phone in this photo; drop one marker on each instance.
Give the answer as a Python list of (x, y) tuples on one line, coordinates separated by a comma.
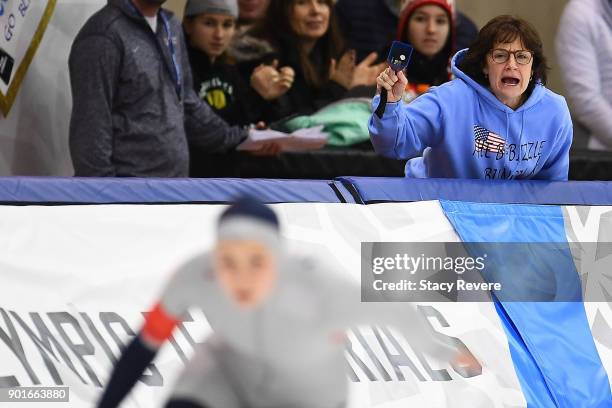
[(398, 60)]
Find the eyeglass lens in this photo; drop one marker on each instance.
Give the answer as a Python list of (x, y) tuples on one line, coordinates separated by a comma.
[(522, 56)]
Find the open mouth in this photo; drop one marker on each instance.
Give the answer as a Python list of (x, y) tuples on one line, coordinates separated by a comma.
[(314, 24), (510, 81), (243, 296)]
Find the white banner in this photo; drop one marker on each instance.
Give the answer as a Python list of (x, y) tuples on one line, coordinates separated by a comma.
[(75, 281), (24, 23), (35, 98)]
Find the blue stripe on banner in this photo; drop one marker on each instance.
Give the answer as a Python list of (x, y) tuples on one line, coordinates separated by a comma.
[(551, 344)]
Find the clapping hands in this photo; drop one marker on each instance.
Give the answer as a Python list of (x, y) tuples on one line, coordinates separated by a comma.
[(347, 73), (271, 82)]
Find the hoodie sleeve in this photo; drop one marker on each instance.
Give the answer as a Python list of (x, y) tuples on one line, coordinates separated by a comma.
[(94, 70), (206, 130), (405, 130), (556, 167), (580, 69)]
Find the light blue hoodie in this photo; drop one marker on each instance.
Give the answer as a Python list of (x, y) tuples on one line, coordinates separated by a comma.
[(468, 133)]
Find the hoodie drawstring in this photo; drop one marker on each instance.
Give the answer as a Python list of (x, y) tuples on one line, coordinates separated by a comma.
[(508, 136), (520, 142)]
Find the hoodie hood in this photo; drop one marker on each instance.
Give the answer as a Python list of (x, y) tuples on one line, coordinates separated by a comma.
[(486, 94)]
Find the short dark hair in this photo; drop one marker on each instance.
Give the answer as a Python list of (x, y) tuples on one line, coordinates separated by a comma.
[(503, 30)]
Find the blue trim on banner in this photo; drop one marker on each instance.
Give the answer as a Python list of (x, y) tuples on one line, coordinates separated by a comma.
[(373, 190), (551, 344), (32, 190)]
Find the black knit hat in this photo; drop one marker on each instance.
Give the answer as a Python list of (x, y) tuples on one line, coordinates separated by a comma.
[(249, 207)]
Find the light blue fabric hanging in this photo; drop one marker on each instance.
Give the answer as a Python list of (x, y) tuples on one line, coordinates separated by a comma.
[(551, 344)]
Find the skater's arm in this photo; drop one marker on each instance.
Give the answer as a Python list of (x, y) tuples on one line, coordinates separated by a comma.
[(347, 310), (159, 323), (137, 356)]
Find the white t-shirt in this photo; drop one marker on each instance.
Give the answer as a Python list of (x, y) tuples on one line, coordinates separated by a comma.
[(152, 22)]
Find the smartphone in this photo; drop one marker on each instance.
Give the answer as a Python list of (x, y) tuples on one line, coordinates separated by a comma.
[(399, 55)]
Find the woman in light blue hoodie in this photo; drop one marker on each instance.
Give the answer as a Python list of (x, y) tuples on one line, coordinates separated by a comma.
[(495, 120)]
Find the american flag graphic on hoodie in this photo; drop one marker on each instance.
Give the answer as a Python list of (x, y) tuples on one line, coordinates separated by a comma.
[(487, 141)]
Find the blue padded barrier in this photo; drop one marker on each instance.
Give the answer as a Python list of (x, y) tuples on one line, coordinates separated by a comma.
[(375, 189), (46, 190)]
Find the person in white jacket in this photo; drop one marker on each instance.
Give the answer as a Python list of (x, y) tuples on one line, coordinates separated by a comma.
[(584, 50)]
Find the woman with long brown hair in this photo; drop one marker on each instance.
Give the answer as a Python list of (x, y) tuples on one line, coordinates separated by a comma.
[(304, 36)]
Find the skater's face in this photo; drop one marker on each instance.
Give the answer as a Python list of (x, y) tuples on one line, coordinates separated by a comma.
[(246, 271)]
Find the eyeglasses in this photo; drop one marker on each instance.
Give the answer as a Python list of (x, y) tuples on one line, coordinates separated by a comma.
[(522, 57)]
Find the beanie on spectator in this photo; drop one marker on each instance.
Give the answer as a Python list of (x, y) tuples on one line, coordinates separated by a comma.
[(411, 5), (196, 7), (408, 6)]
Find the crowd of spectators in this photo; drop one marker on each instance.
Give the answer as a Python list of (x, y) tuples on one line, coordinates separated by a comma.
[(152, 95)]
